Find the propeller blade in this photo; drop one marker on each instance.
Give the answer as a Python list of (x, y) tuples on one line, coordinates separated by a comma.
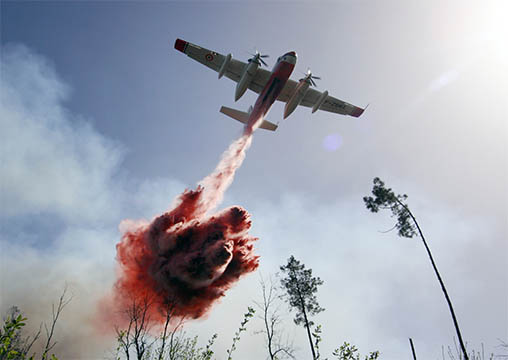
[(310, 78), (258, 58)]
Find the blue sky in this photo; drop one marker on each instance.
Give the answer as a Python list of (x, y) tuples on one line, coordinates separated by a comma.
[(105, 120)]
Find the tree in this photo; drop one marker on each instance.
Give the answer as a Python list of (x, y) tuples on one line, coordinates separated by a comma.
[(246, 317), (137, 334), (301, 288), (183, 347), (63, 301), (10, 333), (175, 342), (140, 340), (407, 226), (349, 352), (276, 346), (316, 334), (13, 344), (503, 345), (456, 354)]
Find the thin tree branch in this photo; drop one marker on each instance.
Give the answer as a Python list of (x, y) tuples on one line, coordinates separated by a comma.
[(62, 302)]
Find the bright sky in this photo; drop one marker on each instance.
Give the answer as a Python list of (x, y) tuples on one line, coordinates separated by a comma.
[(103, 120)]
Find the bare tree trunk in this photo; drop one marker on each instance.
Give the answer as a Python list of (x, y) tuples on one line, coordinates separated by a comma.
[(412, 348), (308, 331), (271, 321), (141, 324), (269, 329), (175, 344), (307, 326), (123, 337), (443, 288), (169, 311), (137, 333), (164, 336)]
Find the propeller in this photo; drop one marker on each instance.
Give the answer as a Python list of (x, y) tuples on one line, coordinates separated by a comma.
[(310, 78), (258, 58)]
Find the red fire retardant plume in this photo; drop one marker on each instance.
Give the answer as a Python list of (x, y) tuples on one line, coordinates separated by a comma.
[(188, 257)]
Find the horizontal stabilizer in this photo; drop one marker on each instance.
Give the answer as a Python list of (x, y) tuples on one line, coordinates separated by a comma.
[(243, 117), (268, 126)]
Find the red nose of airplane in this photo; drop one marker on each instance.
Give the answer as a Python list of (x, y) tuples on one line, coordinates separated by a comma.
[(292, 53)]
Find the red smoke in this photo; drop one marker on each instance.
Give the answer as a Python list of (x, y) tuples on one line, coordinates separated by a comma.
[(188, 256)]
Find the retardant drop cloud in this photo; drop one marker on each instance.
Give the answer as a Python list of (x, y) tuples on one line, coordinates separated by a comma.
[(186, 257)]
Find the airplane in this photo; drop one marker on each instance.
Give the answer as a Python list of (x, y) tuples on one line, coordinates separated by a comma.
[(270, 86)]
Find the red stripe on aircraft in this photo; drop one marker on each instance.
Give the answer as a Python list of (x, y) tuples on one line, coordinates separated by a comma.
[(180, 45), (357, 112)]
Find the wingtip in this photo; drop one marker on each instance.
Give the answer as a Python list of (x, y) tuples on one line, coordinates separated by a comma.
[(180, 45), (357, 112)]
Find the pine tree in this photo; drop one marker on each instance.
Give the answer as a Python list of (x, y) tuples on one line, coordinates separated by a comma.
[(301, 288), (407, 226)]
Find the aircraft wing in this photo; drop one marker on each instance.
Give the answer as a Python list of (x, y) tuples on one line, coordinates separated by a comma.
[(214, 61), (312, 96)]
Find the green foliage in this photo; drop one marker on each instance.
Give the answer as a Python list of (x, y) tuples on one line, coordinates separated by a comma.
[(207, 353), (186, 348), (349, 352), (301, 288), (9, 332), (181, 347), (246, 317), (316, 334), (12, 346), (385, 198)]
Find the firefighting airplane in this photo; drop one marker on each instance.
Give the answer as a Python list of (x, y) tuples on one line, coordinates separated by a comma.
[(270, 86)]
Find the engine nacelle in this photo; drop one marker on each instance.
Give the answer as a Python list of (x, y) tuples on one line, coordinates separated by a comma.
[(320, 101), (247, 76), (296, 99), (224, 65)]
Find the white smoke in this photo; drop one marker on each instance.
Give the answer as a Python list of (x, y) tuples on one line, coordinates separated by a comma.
[(62, 200)]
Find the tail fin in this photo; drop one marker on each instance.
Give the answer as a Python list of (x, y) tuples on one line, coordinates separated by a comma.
[(243, 117)]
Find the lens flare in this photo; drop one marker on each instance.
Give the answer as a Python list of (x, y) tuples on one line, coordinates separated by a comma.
[(332, 142)]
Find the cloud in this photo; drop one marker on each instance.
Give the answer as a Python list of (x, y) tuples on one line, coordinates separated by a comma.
[(63, 195), (52, 161)]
